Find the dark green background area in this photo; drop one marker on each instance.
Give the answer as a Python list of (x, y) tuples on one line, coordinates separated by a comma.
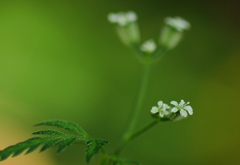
[(62, 60)]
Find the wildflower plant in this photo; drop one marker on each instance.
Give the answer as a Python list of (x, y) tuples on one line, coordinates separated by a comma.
[(149, 52)]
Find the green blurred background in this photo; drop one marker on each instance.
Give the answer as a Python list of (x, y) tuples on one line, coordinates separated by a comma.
[(61, 59)]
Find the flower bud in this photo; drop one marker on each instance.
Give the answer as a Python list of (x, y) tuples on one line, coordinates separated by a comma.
[(127, 29), (148, 46), (173, 31)]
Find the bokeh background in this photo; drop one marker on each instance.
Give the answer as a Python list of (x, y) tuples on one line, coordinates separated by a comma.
[(61, 59)]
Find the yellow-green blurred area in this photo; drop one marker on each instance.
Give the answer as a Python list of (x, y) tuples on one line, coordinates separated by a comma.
[(62, 59)]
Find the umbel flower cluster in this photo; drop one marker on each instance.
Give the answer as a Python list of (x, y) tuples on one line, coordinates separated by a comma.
[(128, 31), (175, 112)]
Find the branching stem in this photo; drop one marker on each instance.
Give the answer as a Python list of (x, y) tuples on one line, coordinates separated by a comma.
[(132, 136)]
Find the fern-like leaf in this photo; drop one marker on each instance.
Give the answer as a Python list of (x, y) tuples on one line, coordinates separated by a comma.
[(93, 148), (65, 125), (65, 143), (51, 143), (32, 144), (17, 149), (49, 132), (50, 138)]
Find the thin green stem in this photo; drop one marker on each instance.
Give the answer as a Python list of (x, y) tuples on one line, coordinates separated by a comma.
[(144, 129), (124, 143), (139, 98), (137, 105)]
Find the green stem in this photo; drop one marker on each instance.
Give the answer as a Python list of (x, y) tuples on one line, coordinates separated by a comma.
[(144, 129), (139, 99), (124, 143), (137, 104)]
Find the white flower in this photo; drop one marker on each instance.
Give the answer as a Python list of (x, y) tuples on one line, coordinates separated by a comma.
[(122, 19), (182, 107), (148, 46), (161, 109), (131, 16), (178, 23)]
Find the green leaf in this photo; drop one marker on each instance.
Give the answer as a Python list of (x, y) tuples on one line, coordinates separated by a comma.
[(50, 138), (32, 144), (49, 132), (65, 143), (65, 125), (93, 148), (18, 148), (50, 143), (32, 148)]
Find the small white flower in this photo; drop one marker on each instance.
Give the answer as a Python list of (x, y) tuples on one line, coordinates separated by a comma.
[(178, 23), (113, 18), (161, 109), (183, 107), (131, 16), (122, 19), (148, 46)]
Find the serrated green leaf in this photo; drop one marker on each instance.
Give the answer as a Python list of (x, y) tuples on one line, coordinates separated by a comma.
[(32, 144), (65, 125), (18, 148), (50, 143), (54, 133), (32, 148), (66, 143), (93, 148), (49, 132), (50, 138), (18, 152)]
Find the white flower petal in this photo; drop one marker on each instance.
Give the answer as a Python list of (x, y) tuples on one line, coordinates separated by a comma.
[(165, 106), (113, 18), (160, 103), (174, 103), (131, 16), (189, 109), (154, 110), (182, 102), (166, 112), (161, 114), (183, 113), (179, 23), (174, 109)]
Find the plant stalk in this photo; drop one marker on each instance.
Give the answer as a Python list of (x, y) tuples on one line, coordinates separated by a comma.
[(139, 98), (124, 143), (137, 105)]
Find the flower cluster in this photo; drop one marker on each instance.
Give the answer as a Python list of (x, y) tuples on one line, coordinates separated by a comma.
[(122, 19), (183, 109), (162, 109), (129, 33)]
